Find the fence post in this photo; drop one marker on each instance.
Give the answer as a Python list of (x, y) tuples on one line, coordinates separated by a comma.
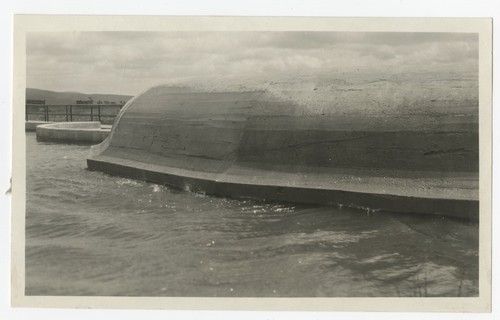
[(66, 109), (91, 112), (99, 112), (46, 113), (71, 113)]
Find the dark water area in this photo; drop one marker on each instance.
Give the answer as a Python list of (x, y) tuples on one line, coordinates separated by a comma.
[(91, 234)]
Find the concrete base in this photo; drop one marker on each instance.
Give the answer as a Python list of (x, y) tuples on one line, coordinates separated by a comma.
[(362, 192), (74, 132)]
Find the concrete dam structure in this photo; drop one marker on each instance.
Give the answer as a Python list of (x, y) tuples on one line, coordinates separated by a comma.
[(259, 144)]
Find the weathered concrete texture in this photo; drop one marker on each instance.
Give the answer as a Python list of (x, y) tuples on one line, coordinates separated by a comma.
[(76, 132), (30, 126), (253, 144)]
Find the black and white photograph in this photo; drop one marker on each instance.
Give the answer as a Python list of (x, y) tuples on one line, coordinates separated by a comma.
[(240, 163)]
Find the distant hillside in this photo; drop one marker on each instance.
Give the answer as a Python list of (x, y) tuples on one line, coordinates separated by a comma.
[(54, 97)]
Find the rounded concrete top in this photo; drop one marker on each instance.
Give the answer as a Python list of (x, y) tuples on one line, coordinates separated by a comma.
[(213, 130)]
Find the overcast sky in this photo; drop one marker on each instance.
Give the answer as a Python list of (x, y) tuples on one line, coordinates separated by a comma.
[(130, 62)]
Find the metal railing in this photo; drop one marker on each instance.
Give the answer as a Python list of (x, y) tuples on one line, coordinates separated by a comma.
[(105, 113)]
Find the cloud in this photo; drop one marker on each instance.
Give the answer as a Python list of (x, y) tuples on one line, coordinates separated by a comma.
[(129, 62)]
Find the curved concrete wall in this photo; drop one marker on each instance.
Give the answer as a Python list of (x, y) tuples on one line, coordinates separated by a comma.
[(254, 138), (79, 132)]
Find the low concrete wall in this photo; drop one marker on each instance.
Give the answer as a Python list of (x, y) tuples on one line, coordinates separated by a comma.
[(79, 132), (30, 126)]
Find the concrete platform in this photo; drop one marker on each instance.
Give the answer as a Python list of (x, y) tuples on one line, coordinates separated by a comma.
[(72, 132), (253, 144)]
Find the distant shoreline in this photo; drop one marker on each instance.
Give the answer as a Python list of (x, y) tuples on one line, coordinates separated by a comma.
[(56, 97)]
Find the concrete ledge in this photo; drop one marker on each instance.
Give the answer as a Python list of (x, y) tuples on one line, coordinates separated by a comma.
[(75, 132), (230, 186), (30, 126)]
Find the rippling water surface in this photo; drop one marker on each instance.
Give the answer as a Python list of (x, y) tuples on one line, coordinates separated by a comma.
[(88, 233)]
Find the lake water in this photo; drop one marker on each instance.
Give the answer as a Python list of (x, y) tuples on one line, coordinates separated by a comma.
[(91, 234)]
